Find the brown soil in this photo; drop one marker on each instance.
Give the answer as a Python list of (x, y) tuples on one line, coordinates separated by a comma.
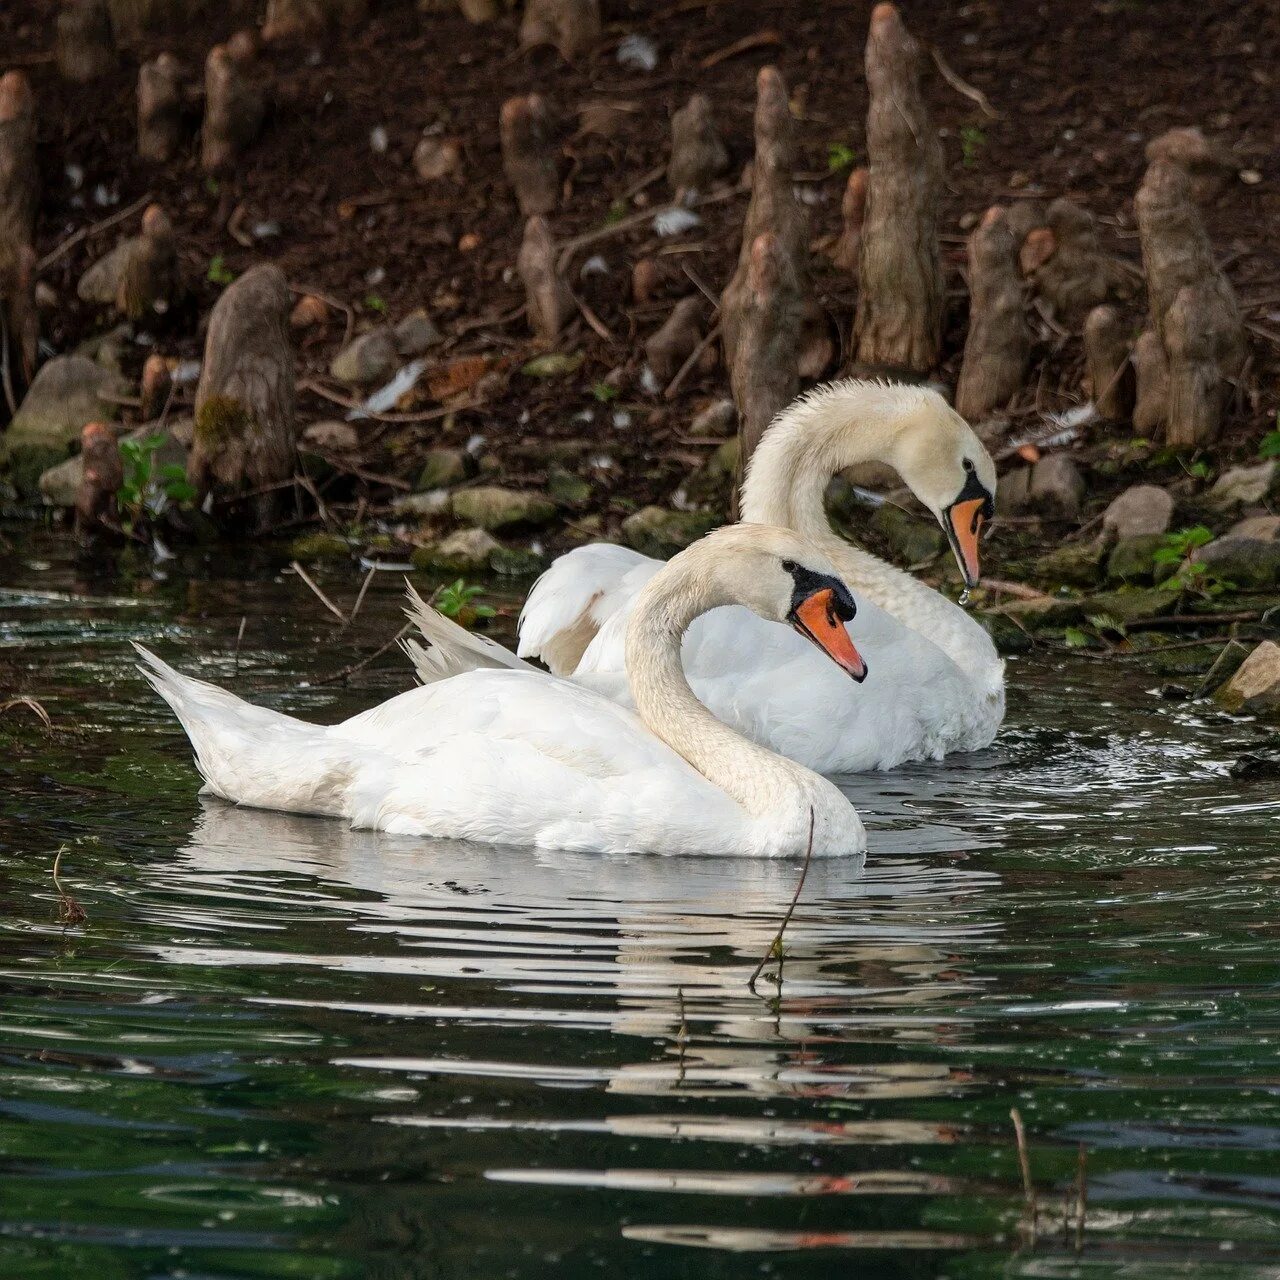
[(1080, 88)]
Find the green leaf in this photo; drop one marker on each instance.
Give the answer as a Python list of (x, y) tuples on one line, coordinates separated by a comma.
[(554, 365), (840, 156), (219, 272), (1269, 447), (1075, 638), (375, 303), (604, 392)]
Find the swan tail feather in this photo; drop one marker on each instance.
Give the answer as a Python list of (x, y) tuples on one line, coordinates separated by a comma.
[(450, 649), (252, 755)]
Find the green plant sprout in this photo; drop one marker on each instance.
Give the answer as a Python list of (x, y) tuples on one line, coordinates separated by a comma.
[(972, 140), (840, 156), (457, 601), (149, 488), (1269, 445), (219, 272), (1192, 576)]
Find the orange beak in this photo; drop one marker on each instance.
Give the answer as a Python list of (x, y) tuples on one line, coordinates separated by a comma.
[(816, 619), (964, 525)]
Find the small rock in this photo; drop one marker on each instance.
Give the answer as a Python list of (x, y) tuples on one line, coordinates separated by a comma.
[(568, 489), (443, 468), (515, 562), (1044, 612), (320, 546), (1057, 488), (1264, 763), (331, 436), (101, 282), (65, 395), (1012, 496), (1263, 528), (1244, 486), (416, 334), (657, 531), (309, 312), (466, 551), (429, 505), (1255, 687), (436, 158), (1074, 564), (372, 357), (1248, 562), (493, 507), (1128, 606), (718, 419), (912, 541), (1138, 511), (1134, 559)]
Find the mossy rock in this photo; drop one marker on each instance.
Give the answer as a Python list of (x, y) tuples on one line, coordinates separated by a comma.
[(1129, 606), (26, 463), (515, 562), (911, 540), (466, 551), (1007, 636), (1134, 560), (657, 531), (1074, 564), (492, 507), (320, 546), (443, 468), (1043, 613), (568, 489)]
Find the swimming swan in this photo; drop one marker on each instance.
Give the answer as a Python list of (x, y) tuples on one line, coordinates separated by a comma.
[(522, 757)]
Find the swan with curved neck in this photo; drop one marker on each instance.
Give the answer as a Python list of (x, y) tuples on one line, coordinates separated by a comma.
[(522, 757), (936, 683)]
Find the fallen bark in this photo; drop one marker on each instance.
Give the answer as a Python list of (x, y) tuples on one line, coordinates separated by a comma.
[(85, 48), (773, 210), (901, 294), (998, 346), (549, 304), (1108, 372), (19, 176), (235, 105), (573, 26), (244, 438), (698, 154), (765, 378), (528, 154), (160, 109), (1193, 307)]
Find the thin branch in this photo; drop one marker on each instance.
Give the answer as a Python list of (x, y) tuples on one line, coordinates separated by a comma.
[(694, 356), (320, 595), (364, 662), (330, 301), (1024, 1163), (1082, 1194), (963, 87), (91, 230), (364, 586), (32, 705), (775, 947)]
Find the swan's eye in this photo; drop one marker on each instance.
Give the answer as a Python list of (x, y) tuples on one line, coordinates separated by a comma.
[(790, 566), (968, 465)]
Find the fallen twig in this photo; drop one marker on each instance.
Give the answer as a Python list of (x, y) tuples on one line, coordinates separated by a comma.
[(91, 230), (1016, 589), (758, 40), (31, 704), (330, 301), (364, 662), (235, 666), (428, 415), (320, 595), (1024, 1163), (70, 912), (364, 586), (694, 356), (1082, 1194), (601, 329), (962, 87), (775, 947)]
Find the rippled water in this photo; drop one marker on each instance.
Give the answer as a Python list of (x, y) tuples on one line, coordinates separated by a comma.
[(281, 1048)]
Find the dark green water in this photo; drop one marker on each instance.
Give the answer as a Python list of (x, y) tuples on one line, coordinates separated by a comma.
[(281, 1048)]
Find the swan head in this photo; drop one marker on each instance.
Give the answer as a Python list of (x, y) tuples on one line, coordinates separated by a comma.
[(781, 576), (947, 467)]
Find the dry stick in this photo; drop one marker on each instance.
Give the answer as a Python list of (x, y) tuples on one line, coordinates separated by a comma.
[(775, 947), (235, 665), (694, 356), (91, 230), (745, 45), (309, 384), (4, 364), (364, 662), (1196, 619), (594, 320), (320, 595), (330, 301), (364, 586), (962, 86), (641, 183), (1024, 1162), (1017, 589), (1082, 1195), (32, 705), (70, 912), (701, 286)]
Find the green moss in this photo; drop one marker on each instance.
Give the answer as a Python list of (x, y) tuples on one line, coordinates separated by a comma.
[(320, 546), (221, 418)]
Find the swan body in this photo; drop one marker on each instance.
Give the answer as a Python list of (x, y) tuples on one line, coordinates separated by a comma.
[(935, 682), (517, 756)]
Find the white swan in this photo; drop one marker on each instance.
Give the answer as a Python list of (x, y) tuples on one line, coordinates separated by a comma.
[(936, 683), (522, 757)]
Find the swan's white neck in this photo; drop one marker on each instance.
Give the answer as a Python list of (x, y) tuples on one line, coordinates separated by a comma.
[(766, 785), (837, 427)]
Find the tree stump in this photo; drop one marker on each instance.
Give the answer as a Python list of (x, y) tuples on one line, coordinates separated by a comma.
[(156, 387), (528, 153), (1208, 165), (573, 26), (900, 301), (295, 19), (1068, 266), (549, 304), (853, 212), (764, 378), (1108, 372), (85, 48), (19, 176), (772, 210), (100, 480), (22, 321), (235, 105), (698, 154), (998, 345), (149, 280), (1193, 307), (668, 348), (1151, 384), (244, 437), (160, 109)]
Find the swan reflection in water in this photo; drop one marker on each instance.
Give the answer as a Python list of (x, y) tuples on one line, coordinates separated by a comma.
[(643, 947)]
